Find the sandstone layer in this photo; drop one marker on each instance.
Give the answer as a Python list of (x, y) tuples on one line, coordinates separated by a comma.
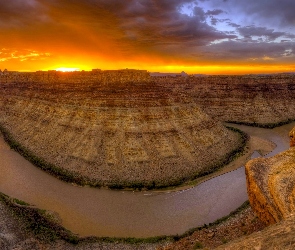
[(129, 135), (278, 236), (253, 99), (256, 99), (292, 137), (271, 185)]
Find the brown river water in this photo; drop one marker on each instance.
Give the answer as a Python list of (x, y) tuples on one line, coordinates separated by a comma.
[(89, 211)]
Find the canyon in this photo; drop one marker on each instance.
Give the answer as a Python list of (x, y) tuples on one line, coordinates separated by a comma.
[(104, 129), (118, 135)]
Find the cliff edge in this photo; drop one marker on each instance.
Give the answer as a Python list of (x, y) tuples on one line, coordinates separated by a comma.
[(270, 184)]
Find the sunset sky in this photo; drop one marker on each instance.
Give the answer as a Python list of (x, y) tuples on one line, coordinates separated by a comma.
[(195, 36)]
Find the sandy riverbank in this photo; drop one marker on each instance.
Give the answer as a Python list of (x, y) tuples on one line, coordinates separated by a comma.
[(254, 143)]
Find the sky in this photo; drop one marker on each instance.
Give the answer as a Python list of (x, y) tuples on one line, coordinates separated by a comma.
[(195, 36)]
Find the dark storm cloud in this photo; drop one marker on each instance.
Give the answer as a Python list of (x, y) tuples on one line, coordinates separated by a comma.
[(235, 50), (214, 12), (250, 31), (214, 21), (265, 30), (161, 22), (20, 13), (282, 11), (273, 12), (234, 25), (152, 21)]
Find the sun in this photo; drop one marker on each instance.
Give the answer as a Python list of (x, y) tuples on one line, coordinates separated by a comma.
[(64, 69)]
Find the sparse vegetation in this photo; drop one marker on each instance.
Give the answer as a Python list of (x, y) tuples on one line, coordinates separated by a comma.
[(198, 245), (60, 173), (72, 177), (224, 240), (20, 202), (263, 125), (47, 229)]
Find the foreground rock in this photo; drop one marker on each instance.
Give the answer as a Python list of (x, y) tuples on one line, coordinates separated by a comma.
[(292, 137), (278, 236), (270, 184), (240, 224)]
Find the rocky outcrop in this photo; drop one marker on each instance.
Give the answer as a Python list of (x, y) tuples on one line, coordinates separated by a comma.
[(292, 137), (116, 135), (270, 184), (271, 192), (278, 236)]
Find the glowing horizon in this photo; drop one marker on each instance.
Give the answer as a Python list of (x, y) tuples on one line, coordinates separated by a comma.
[(65, 69), (198, 37)]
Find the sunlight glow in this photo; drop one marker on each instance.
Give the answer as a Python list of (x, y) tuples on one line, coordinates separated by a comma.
[(64, 69)]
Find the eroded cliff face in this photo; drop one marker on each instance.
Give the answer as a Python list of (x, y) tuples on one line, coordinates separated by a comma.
[(271, 191), (247, 99), (292, 137), (270, 184), (130, 136)]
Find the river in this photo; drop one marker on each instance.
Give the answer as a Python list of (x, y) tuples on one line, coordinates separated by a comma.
[(99, 212)]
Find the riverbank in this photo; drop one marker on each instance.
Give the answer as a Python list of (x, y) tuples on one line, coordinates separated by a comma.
[(25, 226), (254, 143), (46, 192), (242, 223), (217, 167)]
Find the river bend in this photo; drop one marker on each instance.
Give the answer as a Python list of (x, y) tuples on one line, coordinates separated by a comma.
[(89, 211)]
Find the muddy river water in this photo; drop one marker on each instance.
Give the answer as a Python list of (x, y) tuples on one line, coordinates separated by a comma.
[(89, 211)]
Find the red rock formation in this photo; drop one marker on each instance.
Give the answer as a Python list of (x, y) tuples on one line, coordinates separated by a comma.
[(292, 137), (130, 135), (271, 185)]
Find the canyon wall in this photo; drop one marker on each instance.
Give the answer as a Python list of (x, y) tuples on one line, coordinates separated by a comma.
[(271, 191), (271, 185), (255, 99), (129, 135), (246, 99), (128, 128)]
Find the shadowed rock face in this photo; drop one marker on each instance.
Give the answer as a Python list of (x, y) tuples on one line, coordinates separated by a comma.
[(278, 236), (115, 134), (292, 137), (270, 184)]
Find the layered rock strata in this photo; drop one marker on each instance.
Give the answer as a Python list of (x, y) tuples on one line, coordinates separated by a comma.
[(118, 136), (256, 99), (263, 100), (270, 184), (292, 137)]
